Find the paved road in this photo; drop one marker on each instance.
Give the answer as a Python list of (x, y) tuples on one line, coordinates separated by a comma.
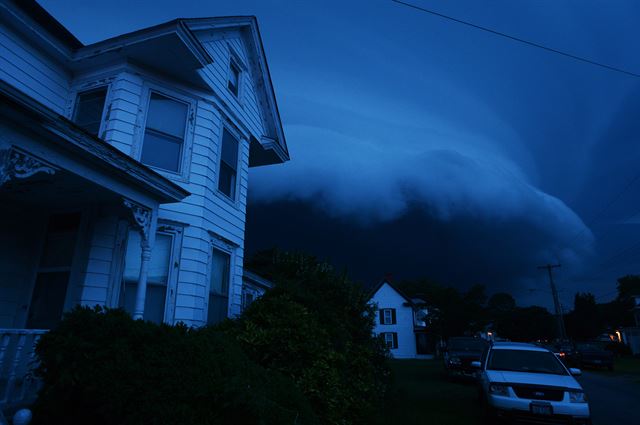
[(614, 400)]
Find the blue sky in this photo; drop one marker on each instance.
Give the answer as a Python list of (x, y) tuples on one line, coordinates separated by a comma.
[(460, 147)]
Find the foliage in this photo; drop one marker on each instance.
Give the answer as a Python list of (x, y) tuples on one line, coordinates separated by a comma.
[(451, 313), (101, 367), (501, 303), (528, 324), (584, 322), (316, 328)]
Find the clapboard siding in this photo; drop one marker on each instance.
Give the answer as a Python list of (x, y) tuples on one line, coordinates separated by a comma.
[(96, 277), (25, 67), (216, 73), (122, 123)]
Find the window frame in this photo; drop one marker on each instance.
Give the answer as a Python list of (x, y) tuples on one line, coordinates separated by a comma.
[(394, 339), (235, 61), (221, 245), (392, 316), (105, 108), (175, 232), (240, 138), (187, 142)]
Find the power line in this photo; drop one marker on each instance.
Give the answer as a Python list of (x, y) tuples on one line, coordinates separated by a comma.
[(520, 40)]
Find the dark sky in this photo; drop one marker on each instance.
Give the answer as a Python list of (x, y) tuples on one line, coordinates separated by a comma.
[(421, 147)]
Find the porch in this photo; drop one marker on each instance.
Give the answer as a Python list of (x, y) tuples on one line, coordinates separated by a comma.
[(68, 202)]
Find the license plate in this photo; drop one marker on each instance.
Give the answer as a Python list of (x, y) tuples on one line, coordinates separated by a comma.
[(541, 409)]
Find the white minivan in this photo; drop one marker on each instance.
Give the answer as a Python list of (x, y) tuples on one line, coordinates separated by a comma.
[(524, 382)]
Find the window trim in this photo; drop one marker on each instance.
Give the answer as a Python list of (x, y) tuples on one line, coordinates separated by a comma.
[(240, 138), (105, 108), (184, 168), (394, 339), (392, 316)]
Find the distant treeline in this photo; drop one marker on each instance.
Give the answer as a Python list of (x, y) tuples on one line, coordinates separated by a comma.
[(454, 312)]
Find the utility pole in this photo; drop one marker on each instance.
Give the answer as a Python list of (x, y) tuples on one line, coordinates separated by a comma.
[(562, 334)]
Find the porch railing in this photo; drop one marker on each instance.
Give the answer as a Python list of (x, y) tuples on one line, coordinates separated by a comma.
[(18, 386)]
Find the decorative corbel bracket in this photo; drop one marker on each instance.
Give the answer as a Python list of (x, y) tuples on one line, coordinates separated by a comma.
[(141, 216), (15, 164)]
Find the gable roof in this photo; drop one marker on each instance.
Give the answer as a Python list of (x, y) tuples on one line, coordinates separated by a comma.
[(188, 55), (392, 286)]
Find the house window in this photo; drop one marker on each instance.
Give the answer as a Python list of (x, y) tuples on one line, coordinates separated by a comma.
[(219, 286), (157, 278), (228, 164), (89, 109), (234, 78), (390, 339), (388, 316), (164, 133), (52, 277)]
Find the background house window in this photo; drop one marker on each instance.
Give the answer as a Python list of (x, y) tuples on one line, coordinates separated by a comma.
[(390, 339), (219, 286), (234, 78), (164, 133), (388, 316), (247, 299), (228, 165), (89, 109), (158, 277)]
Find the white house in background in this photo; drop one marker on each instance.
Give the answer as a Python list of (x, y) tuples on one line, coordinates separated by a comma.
[(253, 287), (124, 170), (401, 322)]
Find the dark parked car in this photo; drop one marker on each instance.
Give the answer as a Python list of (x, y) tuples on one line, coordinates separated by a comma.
[(566, 352), (459, 354), (593, 354)]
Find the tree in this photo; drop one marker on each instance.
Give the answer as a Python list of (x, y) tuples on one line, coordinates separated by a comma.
[(501, 303), (452, 313), (316, 327), (584, 321), (527, 324)]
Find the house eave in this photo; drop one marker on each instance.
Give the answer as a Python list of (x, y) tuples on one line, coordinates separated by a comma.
[(183, 59)]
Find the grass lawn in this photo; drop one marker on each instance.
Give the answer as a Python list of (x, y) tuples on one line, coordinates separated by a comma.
[(423, 395)]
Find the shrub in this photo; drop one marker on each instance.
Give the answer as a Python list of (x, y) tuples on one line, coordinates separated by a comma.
[(101, 367), (316, 328)]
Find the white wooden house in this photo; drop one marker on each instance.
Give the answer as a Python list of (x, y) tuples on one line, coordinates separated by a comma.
[(401, 322), (124, 170)]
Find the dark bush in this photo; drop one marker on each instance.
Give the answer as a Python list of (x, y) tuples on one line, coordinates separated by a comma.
[(102, 367), (316, 327)]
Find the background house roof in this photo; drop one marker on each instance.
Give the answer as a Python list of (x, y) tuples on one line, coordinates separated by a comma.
[(388, 282)]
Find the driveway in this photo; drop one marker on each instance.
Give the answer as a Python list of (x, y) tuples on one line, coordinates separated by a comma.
[(613, 399)]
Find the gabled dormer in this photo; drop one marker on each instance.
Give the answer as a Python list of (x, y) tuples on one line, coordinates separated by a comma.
[(220, 60)]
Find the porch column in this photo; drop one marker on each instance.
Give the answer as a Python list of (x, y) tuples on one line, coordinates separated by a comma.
[(146, 220)]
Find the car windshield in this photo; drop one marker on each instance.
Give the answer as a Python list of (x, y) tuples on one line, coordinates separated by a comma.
[(525, 361), (470, 344)]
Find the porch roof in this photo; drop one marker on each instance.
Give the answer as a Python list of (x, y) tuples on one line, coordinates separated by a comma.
[(20, 107)]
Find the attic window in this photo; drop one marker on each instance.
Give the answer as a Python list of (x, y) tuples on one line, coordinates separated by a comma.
[(388, 316), (234, 78), (90, 109)]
